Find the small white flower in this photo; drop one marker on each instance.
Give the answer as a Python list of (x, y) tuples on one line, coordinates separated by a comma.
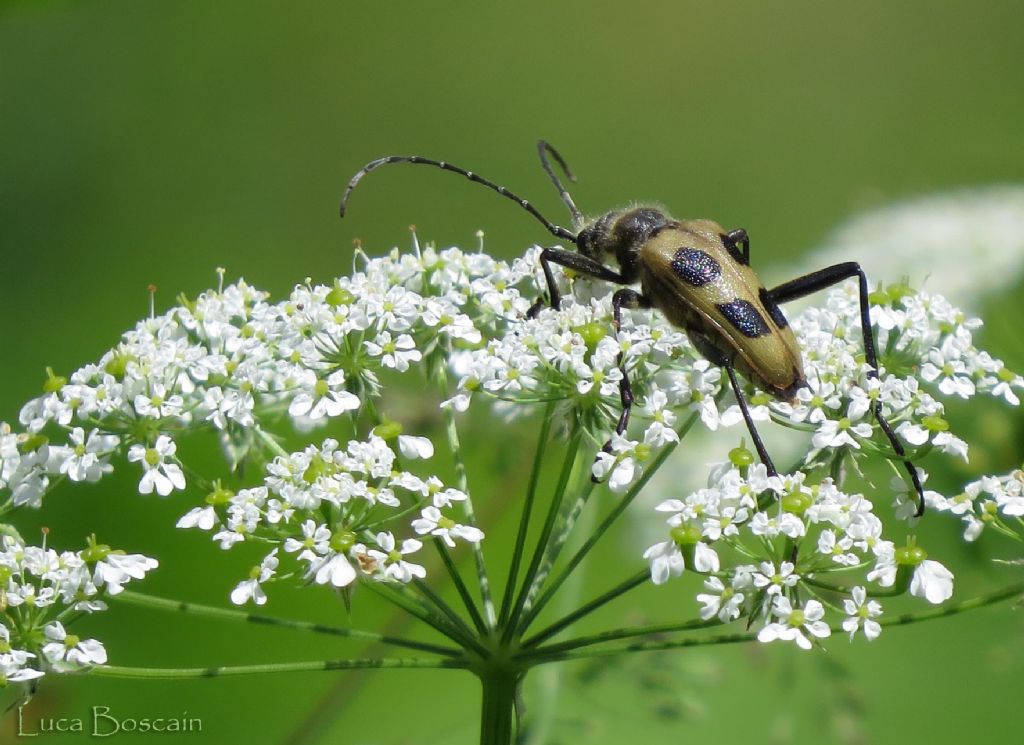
[(433, 522), (951, 373), (724, 602), (837, 548), (335, 568), (772, 582), (444, 498), (159, 475), (391, 558), (932, 581), (666, 560), (838, 433), (793, 622), (229, 405), (323, 397), (13, 667), (66, 652), (203, 518), (252, 588), (861, 613), (396, 354), (116, 569), (157, 403), (315, 540), (785, 523), (85, 459), (621, 467)]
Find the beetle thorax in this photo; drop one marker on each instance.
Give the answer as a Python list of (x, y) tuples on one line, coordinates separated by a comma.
[(621, 234)]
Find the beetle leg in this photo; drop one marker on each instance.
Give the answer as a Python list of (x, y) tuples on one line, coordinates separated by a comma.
[(624, 298), (553, 293), (578, 263), (762, 452), (739, 238), (827, 277)]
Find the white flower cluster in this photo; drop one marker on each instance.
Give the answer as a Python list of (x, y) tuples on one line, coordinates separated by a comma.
[(994, 501), (233, 362), (40, 586), (799, 535), (320, 506), (230, 358)]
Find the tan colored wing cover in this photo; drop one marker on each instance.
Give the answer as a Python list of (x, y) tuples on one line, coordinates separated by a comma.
[(771, 359)]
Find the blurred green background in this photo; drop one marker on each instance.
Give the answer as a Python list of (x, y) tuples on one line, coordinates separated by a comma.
[(151, 142)]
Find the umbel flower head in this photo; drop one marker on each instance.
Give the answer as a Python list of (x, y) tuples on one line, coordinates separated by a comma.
[(771, 549)]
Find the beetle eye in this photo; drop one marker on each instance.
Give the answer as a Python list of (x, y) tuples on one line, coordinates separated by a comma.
[(586, 242)]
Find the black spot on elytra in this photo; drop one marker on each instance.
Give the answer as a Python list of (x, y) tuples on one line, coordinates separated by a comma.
[(773, 309), (745, 317), (695, 267)]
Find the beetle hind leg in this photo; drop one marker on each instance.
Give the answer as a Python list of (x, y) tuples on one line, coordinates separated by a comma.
[(762, 452), (827, 277)]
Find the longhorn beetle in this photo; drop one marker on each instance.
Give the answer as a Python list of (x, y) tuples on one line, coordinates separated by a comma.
[(698, 275)]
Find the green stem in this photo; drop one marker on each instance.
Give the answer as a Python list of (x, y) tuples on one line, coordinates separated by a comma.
[(524, 518), (981, 601), (900, 620), (601, 529), (438, 603), (623, 587), (459, 634), (460, 586), (887, 592), (497, 705), (226, 614), (547, 682), (272, 444), (553, 510), (170, 673), (462, 482), (615, 634), (554, 549)]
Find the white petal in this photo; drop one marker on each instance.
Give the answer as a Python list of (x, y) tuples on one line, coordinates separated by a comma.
[(415, 447), (932, 581)]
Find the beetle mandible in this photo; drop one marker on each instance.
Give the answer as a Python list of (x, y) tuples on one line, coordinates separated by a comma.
[(698, 275)]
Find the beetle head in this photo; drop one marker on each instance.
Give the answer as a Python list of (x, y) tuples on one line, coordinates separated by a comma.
[(621, 234), (593, 240)]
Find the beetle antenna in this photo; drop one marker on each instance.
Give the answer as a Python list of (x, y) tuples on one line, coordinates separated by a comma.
[(555, 230), (544, 149)]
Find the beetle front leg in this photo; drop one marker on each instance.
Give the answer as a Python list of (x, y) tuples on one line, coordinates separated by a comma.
[(827, 277), (578, 263), (624, 298)]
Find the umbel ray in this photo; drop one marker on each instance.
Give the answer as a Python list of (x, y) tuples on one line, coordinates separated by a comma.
[(698, 275)]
